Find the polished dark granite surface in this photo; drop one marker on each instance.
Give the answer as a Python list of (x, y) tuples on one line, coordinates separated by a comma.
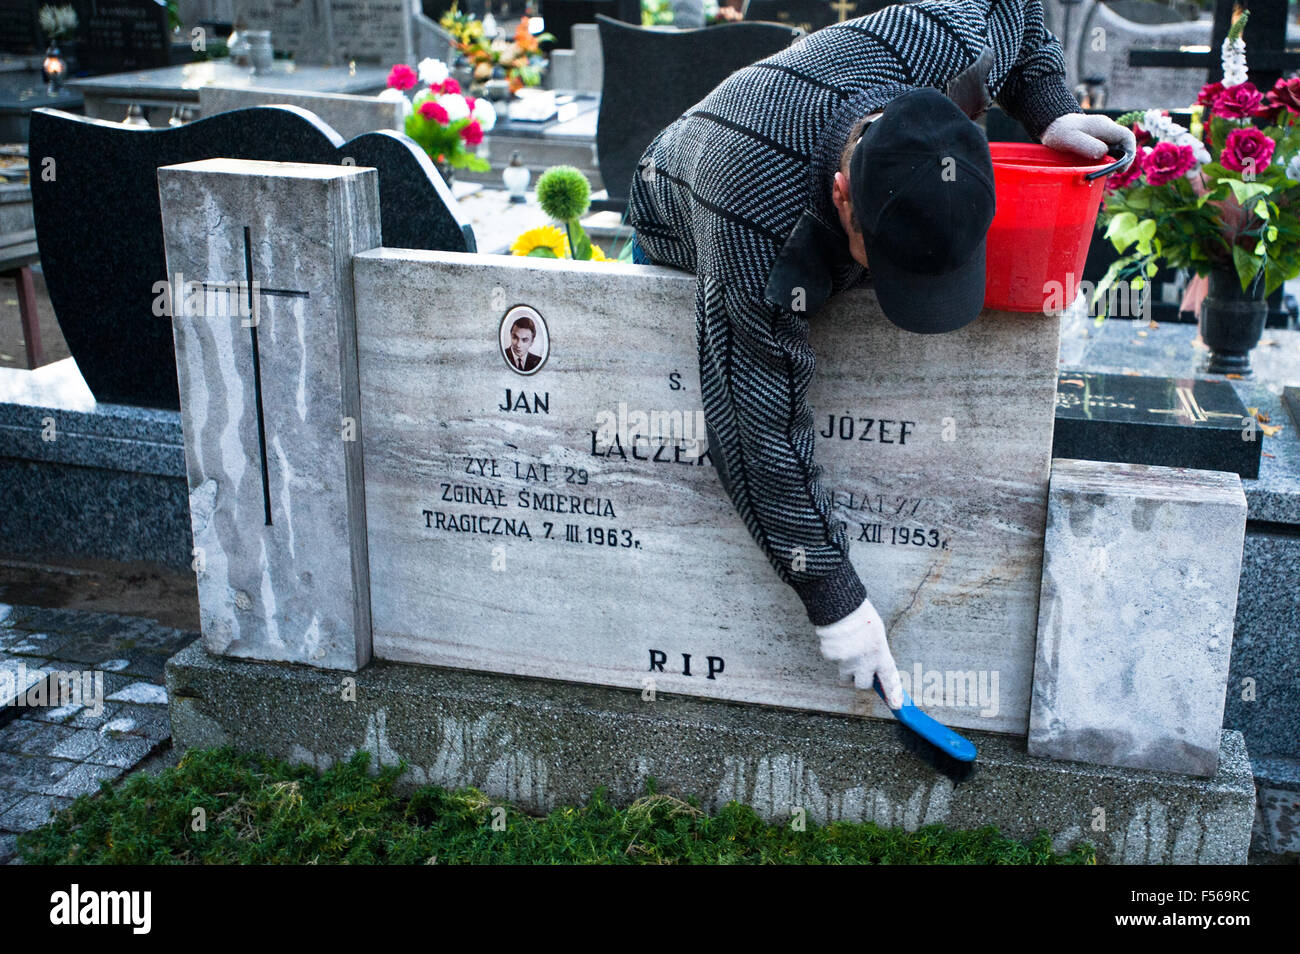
[(1166, 421), (1174, 350)]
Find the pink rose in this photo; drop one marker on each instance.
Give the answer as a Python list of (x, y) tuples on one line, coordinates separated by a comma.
[(1247, 149), (472, 133), (1128, 175), (401, 77), (1238, 102), (449, 85), (1167, 162), (431, 110)]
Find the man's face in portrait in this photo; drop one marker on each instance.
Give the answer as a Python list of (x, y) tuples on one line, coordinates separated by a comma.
[(521, 339)]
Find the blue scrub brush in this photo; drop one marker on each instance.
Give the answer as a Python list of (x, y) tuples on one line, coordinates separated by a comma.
[(944, 749)]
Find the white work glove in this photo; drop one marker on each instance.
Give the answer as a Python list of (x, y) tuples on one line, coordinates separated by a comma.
[(857, 643), (1088, 134)]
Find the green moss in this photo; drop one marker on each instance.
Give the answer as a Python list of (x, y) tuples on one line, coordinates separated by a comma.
[(258, 810)]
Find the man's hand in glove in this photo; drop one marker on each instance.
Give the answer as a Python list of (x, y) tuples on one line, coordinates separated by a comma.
[(857, 643), (1088, 134)]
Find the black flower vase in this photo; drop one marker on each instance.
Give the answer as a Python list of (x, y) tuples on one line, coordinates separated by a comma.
[(1232, 321)]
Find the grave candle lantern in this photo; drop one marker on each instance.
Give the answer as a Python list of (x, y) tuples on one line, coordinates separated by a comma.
[(53, 69), (516, 176)]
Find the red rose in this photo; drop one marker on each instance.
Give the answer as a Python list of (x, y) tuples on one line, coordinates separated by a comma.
[(401, 77), (449, 85), (472, 133), (1167, 162), (1128, 175), (1209, 93), (1285, 94), (431, 110), (1238, 102), (1247, 149)]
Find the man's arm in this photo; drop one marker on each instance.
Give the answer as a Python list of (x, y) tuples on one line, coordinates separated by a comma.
[(755, 368), (1034, 91)]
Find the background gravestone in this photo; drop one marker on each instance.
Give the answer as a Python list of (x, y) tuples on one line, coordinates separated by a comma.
[(807, 15), (333, 32), (562, 15), (653, 76), (122, 35), (1130, 87), (100, 235)]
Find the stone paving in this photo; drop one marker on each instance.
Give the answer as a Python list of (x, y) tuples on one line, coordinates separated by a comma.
[(66, 741)]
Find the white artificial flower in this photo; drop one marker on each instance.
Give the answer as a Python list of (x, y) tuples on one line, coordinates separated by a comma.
[(485, 113), (391, 95), (1234, 62), (1293, 168), (455, 105), (432, 71)]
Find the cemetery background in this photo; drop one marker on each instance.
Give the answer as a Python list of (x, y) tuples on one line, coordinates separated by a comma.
[(1276, 553)]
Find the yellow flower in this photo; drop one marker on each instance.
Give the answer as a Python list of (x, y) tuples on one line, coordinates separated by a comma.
[(547, 236), (597, 255)]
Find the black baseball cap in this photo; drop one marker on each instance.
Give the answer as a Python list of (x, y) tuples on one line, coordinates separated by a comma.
[(921, 183)]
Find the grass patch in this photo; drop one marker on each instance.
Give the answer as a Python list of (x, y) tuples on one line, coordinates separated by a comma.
[(259, 810)]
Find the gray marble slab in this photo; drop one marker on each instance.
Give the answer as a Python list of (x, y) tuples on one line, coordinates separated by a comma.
[(1136, 616), (270, 404), (947, 533), (348, 115)]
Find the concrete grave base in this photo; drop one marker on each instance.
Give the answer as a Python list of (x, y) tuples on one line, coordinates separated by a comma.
[(542, 744)]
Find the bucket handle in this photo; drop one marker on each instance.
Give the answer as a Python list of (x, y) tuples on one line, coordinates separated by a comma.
[(1124, 159)]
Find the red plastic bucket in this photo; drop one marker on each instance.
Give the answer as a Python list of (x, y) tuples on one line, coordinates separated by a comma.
[(1046, 212)]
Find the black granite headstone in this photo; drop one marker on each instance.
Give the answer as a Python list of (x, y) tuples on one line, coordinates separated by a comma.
[(119, 35), (99, 223), (1171, 422), (653, 76), (561, 15), (807, 15)]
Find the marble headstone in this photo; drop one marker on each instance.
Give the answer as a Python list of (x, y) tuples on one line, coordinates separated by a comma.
[(511, 532), (348, 115), (100, 235), (335, 32), (271, 412), (1139, 594)]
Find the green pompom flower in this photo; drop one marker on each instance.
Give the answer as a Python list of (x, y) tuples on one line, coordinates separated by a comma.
[(564, 193)]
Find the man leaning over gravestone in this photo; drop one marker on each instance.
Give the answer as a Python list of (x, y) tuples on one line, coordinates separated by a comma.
[(833, 163)]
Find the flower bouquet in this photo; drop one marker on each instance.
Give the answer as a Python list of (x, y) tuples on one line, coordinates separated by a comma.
[(446, 123), (565, 195), (1219, 198), (518, 61)]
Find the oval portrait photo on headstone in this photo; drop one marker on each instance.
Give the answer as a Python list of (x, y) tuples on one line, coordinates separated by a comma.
[(525, 343)]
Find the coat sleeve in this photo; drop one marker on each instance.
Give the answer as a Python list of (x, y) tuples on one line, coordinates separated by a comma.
[(1034, 90), (755, 368)]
